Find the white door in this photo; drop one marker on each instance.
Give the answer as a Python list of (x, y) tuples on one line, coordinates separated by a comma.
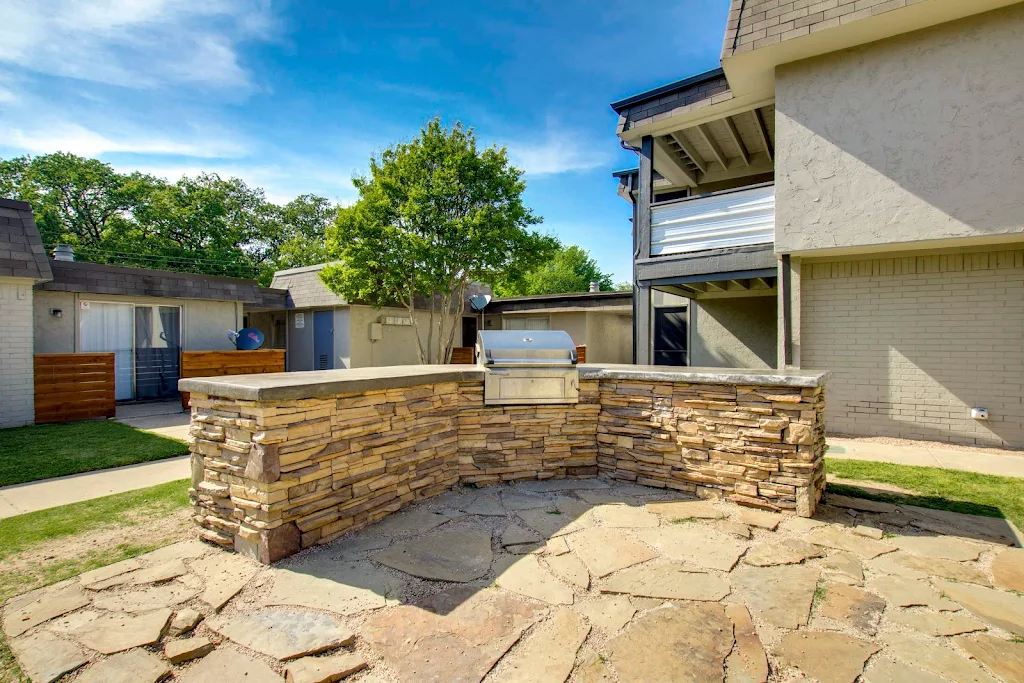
[(108, 327)]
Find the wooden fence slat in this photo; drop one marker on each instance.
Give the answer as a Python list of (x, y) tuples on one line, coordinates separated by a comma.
[(224, 363), (73, 386), (463, 355)]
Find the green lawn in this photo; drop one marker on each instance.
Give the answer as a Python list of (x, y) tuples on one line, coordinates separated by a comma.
[(27, 532), (936, 488), (45, 451)]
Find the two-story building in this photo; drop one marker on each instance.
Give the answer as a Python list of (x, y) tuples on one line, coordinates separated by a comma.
[(847, 193)]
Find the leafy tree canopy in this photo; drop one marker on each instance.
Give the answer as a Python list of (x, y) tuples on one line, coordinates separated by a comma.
[(570, 269), (206, 224), (434, 215)]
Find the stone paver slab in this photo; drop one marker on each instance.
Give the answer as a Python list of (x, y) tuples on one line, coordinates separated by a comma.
[(525, 576), (343, 587), (137, 666), (676, 510), (604, 551), (1008, 569), (747, 663), (888, 670), (687, 643), (608, 497), (358, 543), (514, 501), (414, 520), (695, 545), (550, 485), (996, 608), (184, 621), (887, 564), (860, 504), (485, 506), (935, 624), (223, 665), (101, 576), (872, 532), (454, 636), (548, 653), (515, 535), (147, 599), (571, 569), (458, 555), (801, 525), (556, 546), (825, 656), (283, 634), (187, 649), (184, 550), (668, 581), (935, 658), (223, 575), (593, 670), (844, 539), (781, 595), (786, 551), (551, 522), (610, 613), (1004, 657), (946, 569), (760, 518), (853, 607), (845, 563), (44, 657), (902, 592), (110, 633), (164, 571), (39, 606), (324, 669), (624, 517), (940, 547), (728, 527)]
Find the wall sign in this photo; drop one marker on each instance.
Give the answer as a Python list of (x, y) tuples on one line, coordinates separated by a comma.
[(300, 320)]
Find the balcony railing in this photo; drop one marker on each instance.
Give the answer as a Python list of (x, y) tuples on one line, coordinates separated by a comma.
[(736, 218)]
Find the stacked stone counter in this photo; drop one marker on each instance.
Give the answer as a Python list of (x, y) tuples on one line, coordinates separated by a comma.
[(285, 461)]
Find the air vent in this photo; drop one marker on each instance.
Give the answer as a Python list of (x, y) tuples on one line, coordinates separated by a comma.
[(322, 365)]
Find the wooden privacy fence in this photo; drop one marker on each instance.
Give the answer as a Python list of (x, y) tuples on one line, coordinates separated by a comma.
[(463, 355), (222, 363), (73, 386)]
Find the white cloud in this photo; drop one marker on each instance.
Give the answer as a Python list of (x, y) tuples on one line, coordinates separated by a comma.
[(280, 183), (46, 136), (559, 152), (134, 43)]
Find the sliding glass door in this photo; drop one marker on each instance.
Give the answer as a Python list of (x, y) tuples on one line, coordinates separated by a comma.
[(145, 341)]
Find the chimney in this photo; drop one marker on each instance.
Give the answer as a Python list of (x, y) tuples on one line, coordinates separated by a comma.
[(63, 252), (595, 286)]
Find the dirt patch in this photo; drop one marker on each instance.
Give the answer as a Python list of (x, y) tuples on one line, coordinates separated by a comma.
[(892, 441)]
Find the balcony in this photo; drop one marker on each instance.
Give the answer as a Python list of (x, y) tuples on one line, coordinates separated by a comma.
[(735, 218)]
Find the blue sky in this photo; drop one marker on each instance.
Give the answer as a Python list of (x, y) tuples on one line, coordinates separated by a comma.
[(296, 96)]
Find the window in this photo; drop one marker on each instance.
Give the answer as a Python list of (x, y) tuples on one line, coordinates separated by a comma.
[(524, 323)]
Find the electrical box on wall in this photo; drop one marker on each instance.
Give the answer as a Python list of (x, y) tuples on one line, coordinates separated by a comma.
[(979, 413), (376, 331)]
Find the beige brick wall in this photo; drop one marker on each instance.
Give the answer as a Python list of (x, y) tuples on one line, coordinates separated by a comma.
[(915, 342), (16, 382)]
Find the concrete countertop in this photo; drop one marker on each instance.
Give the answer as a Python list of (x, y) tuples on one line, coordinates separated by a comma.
[(287, 386)]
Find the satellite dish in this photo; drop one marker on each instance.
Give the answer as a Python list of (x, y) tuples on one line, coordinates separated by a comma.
[(479, 302), (246, 339)]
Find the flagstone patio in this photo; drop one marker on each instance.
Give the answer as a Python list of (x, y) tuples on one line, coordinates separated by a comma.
[(583, 580)]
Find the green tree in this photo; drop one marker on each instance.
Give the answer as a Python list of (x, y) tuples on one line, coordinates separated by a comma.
[(571, 269), (434, 215), (302, 238)]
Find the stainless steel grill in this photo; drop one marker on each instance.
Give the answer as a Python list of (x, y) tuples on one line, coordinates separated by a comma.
[(528, 367)]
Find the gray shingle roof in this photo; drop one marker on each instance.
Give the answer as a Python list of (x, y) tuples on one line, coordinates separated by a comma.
[(21, 248)]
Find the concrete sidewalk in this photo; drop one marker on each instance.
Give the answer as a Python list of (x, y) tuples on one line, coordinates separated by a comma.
[(998, 463), (40, 495), (165, 418)]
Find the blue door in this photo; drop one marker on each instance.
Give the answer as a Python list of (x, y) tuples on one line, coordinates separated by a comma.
[(323, 340)]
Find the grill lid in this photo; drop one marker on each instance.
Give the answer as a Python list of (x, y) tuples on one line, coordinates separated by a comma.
[(525, 347)]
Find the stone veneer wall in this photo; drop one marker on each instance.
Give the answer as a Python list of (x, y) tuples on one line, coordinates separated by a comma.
[(271, 478)]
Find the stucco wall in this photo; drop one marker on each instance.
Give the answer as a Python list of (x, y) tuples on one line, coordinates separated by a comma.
[(609, 338), (16, 368), (204, 324), (915, 342), (733, 332), (914, 138), (398, 345)]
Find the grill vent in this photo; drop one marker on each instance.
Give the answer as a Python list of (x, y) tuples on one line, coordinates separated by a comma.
[(323, 362)]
